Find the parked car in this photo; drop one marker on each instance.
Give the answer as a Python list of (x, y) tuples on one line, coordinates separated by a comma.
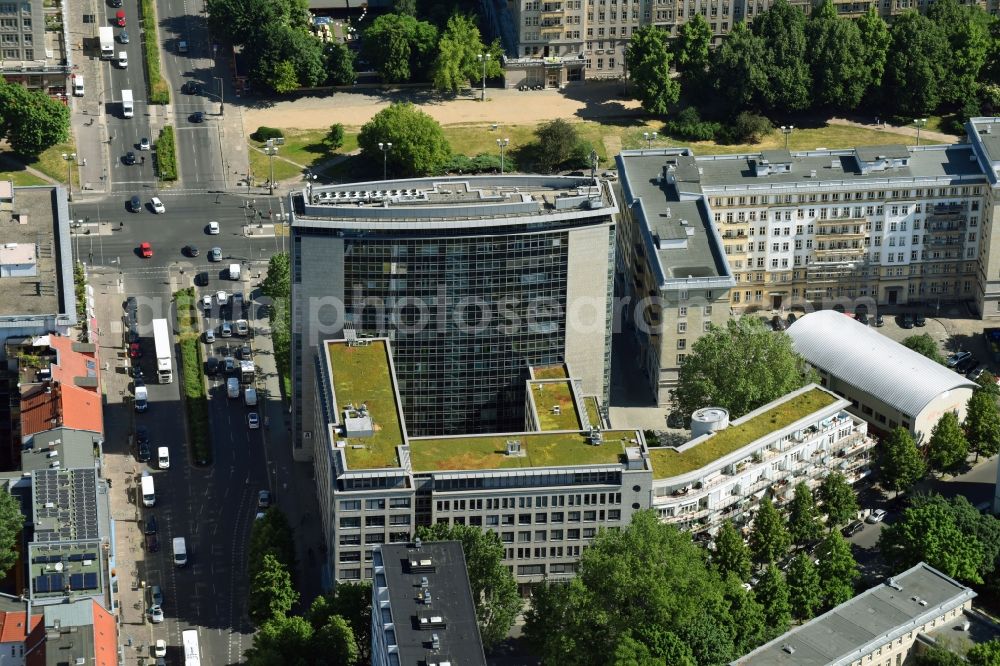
[(862, 318), (977, 372), (226, 330), (156, 616), (150, 526), (245, 353), (156, 595), (206, 302), (230, 365), (242, 327), (792, 318), (906, 320), (222, 297), (152, 543), (853, 528), (919, 321), (263, 499), (777, 323), (956, 358), (160, 647), (967, 365), (211, 366), (876, 516), (879, 321)]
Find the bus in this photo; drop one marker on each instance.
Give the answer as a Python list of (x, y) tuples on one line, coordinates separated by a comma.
[(192, 654)]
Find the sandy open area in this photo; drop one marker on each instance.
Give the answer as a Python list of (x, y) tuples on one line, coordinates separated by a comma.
[(353, 109)]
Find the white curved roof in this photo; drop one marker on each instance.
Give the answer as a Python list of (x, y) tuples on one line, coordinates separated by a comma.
[(880, 366)]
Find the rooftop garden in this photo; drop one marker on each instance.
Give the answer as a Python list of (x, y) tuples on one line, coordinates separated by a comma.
[(361, 375), (593, 413), (555, 371), (668, 462), (548, 395), (540, 450)]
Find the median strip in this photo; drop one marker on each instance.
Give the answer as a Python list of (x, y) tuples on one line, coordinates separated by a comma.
[(192, 380), (159, 93)]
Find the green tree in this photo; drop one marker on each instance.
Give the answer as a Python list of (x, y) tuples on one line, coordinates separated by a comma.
[(915, 68), (731, 553), (400, 48), (335, 641), (948, 447), (710, 638), (648, 58), (693, 51), (783, 31), (805, 593), (985, 528), (277, 283), (804, 524), (739, 68), (558, 144), (457, 61), (928, 532), (746, 616), (632, 652), (837, 569), (493, 587), (31, 121), (982, 423), (245, 22), (339, 65), (924, 345), (271, 592), (283, 640), (769, 539), (932, 655), (900, 462), (353, 603), (875, 41), (839, 75), (11, 525), (840, 502), (404, 7), (769, 369), (988, 381), (271, 535), (984, 654), (772, 595), (418, 144), (967, 32), (335, 137)]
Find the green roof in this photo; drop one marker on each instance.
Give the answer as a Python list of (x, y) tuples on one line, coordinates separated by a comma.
[(548, 395), (555, 371), (668, 462), (541, 450), (593, 413), (361, 375)]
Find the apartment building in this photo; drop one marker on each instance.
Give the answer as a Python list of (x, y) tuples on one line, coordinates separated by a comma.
[(33, 44), (473, 279), (545, 491), (727, 468)]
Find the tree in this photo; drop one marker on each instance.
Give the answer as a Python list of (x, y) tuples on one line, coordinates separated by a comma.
[(731, 554), (932, 655), (984, 654), (804, 525), (271, 535), (271, 592), (805, 595), (339, 64), (693, 51), (840, 503), (243, 22), (966, 30), (769, 540), (772, 595), (746, 616), (418, 144), (839, 75), (900, 462), (782, 29), (11, 525), (558, 144), (283, 640), (928, 532), (837, 569), (915, 67), (457, 61), (982, 423), (648, 58), (768, 369), (948, 447), (400, 48), (353, 603), (632, 652), (738, 69), (405, 7), (968, 520), (924, 345), (31, 121), (493, 587), (335, 137), (335, 641), (278, 283), (875, 41)]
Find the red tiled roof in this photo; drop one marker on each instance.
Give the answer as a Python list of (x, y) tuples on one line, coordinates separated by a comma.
[(12, 629), (81, 408), (71, 364), (105, 637), (38, 409)]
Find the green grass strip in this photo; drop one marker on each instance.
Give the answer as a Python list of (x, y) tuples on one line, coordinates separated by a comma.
[(159, 93)]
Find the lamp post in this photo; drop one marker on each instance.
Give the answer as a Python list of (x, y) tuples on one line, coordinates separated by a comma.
[(69, 158), (222, 101), (919, 122), (786, 130), (650, 137), (385, 148), (503, 143), (270, 150), (484, 58)]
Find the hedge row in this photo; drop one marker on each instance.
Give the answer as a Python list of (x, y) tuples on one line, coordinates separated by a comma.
[(159, 93), (192, 362), (166, 154)]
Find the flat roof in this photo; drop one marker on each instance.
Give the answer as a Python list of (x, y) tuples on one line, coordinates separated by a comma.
[(362, 375), (668, 462), (479, 452), (33, 220), (591, 405), (72, 448), (554, 371), (554, 405), (874, 617)]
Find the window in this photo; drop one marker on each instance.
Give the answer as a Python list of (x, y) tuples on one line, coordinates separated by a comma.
[(681, 343), (350, 505), (374, 504)]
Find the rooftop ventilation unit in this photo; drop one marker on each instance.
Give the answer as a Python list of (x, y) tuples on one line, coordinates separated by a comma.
[(790, 649), (423, 582), (417, 543), (893, 584)]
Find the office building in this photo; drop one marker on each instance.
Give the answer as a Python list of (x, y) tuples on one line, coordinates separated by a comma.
[(422, 608), (34, 39), (727, 468), (474, 280), (887, 384)]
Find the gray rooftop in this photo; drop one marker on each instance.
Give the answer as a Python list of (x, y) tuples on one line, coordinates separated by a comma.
[(69, 633), (984, 135), (442, 564), (893, 151), (869, 620), (72, 448)]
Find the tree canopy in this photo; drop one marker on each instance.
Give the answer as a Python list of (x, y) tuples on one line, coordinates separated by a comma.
[(982, 422), (418, 144), (924, 345), (648, 56), (457, 61), (840, 502), (731, 556), (804, 526), (772, 595), (915, 67), (948, 447), (769, 539), (805, 593), (839, 73), (30, 120), (783, 31), (271, 592), (738, 68), (11, 525), (837, 569), (557, 146), (693, 50), (400, 47), (900, 462)]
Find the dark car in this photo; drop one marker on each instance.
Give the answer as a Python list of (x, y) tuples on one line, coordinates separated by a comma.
[(862, 318), (191, 250), (263, 499), (198, 117), (853, 528), (201, 279), (152, 543), (129, 158), (957, 358), (777, 323), (792, 318), (977, 372), (966, 365), (245, 353), (134, 350), (135, 204), (123, 37), (191, 88), (150, 527), (906, 320), (144, 453), (918, 320), (211, 366), (879, 321)]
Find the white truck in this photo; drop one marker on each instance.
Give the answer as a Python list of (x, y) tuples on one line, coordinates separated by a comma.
[(234, 271), (147, 489), (128, 104), (107, 37), (247, 371), (161, 339)]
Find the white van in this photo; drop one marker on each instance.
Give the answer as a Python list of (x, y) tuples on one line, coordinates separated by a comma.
[(250, 397), (147, 490), (78, 85), (180, 552), (234, 271), (233, 387), (163, 457)]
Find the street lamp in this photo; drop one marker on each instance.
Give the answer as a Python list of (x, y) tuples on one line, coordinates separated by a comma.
[(503, 143), (385, 148), (222, 101), (484, 58), (786, 130), (69, 158), (650, 137), (270, 150), (919, 122)]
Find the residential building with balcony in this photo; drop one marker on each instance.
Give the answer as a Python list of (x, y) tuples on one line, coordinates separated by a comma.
[(724, 472)]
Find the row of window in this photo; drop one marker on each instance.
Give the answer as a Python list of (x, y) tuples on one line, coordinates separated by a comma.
[(813, 197), (354, 522), (375, 504)]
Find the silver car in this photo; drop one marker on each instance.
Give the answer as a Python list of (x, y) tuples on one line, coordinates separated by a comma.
[(226, 330)]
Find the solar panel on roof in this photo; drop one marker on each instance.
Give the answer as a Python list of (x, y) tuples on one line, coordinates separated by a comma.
[(76, 581), (41, 584), (55, 582), (90, 556), (76, 557), (90, 581)]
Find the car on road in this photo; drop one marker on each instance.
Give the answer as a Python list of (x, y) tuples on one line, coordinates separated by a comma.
[(123, 59), (152, 543), (206, 302), (879, 321), (215, 254), (906, 320), (222, 297), (144, 144), (145, 249), (263, 499), (191, 250), (956, 358), (977, 372), (134, 350), (253, 421), (201, 279), (242, 328), (157, 205), (197, 117), (225, 330), (209, 336), (160, 648), (151, 528), (213, 228), (191, 88), (853, 528), (129, 158), (156, 616), (163, 457), (211, 366), (120, 18), (967, 365), (876, 516), (245, 353), (142, 438), (156, 595), (919, 321), (230, 365), (135, 204), (123, 37)]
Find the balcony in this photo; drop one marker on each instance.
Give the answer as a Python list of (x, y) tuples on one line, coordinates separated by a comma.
[(839, 253), (947, 209), (949, 225)]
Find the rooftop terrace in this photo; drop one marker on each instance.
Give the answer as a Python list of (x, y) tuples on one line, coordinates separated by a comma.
[(361, 374), (555, 371), (551, 394), (540, 450), (669, 462)]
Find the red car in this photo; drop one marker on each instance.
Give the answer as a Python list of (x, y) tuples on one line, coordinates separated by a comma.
[(146, 250), (134, 350), (120, 18)]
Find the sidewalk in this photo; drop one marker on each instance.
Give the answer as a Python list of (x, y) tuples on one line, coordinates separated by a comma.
[(87, 115)]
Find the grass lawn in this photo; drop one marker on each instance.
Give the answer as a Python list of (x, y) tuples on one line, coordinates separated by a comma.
[(593, 415), (557, 371), (361, 375), (193, 383), (49, 162), (305, 147), (668, 462), (22, 178), (548, 395), (541, 450)]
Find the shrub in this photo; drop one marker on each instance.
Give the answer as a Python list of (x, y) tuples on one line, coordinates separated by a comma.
[(264, 133), (748, 128), (335, 137), (688, 125), (193, 384), (955, 123), (166, 154), (159, 93)]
